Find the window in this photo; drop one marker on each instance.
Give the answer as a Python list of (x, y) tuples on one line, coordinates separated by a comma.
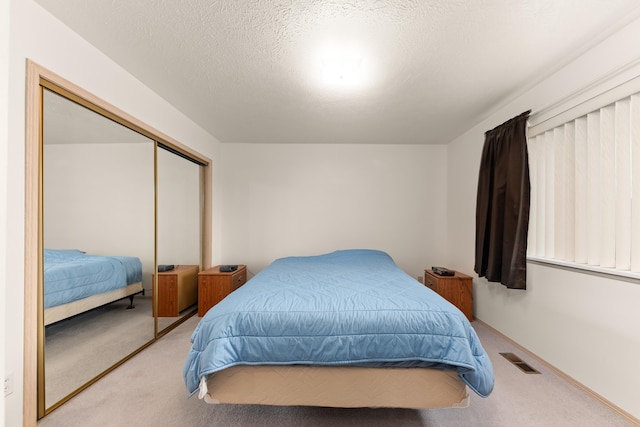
[(585, 190)]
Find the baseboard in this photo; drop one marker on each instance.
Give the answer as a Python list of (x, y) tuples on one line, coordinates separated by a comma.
[(564, 376)]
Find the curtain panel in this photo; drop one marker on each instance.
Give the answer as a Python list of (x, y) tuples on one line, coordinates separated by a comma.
[(502, 207)]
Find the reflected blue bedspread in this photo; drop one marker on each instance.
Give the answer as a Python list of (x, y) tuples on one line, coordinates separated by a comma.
[(71, 275), (351, 307)]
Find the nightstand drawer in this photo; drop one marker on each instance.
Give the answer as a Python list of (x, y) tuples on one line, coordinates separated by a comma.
[(177, 290), (214, 286), (457, 289), (430, 283), (239, 278)]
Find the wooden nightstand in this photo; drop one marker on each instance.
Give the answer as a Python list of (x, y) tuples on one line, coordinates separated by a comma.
[(177, 290), (455, 289), (214, 285)]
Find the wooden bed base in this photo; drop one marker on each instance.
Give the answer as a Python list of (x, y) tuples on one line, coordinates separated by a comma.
[(339, 386), (61, 312)]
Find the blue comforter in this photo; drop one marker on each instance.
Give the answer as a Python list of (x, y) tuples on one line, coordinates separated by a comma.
[(352, 307), (71, 275)]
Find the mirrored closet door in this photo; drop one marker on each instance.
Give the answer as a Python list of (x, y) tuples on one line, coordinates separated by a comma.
[(179, 210), (108, 199), (98, 235)]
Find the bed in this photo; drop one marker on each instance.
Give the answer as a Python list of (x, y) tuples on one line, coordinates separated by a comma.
[(75, 282), (344, 329)]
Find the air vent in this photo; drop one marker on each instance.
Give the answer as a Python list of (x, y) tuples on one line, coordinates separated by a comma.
[(524, 366)]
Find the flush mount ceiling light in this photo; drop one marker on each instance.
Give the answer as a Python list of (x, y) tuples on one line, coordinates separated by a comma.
[(341, 70)]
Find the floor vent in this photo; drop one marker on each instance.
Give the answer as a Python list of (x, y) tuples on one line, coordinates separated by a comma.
[(524, 366)]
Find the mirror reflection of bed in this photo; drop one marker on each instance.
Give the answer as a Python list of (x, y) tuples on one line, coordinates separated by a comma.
[(86, 334), (98, 231)]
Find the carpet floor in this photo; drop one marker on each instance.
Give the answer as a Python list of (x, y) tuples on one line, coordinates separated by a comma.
[(79, 348), (149, 390)]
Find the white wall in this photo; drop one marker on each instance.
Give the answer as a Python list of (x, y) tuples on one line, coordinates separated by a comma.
[(179, 210), (99, 198), (281, 200), (4, 111), (584, 325), (35, 34)]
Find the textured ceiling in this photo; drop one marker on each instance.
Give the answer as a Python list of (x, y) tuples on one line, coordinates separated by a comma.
[(248, 71)]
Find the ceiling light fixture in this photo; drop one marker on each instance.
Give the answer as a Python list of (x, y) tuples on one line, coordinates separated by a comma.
[(341, 70)]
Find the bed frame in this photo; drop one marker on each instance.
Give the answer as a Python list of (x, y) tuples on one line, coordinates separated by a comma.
[(336, 386), (61, 312)]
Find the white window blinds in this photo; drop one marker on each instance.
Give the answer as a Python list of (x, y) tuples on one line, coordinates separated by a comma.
[(585, 189)]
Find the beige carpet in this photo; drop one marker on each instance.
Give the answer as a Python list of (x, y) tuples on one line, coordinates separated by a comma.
[(149, 391), (80, 348)]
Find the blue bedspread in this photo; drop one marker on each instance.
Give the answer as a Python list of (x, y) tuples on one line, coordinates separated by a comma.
[(352, 307), (71, 275)]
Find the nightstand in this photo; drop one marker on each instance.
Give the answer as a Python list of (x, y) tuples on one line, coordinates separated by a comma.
[(177, 290), (455, 289), (214, 285)]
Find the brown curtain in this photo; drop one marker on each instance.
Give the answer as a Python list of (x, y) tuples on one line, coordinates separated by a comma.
[(502, 208)]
